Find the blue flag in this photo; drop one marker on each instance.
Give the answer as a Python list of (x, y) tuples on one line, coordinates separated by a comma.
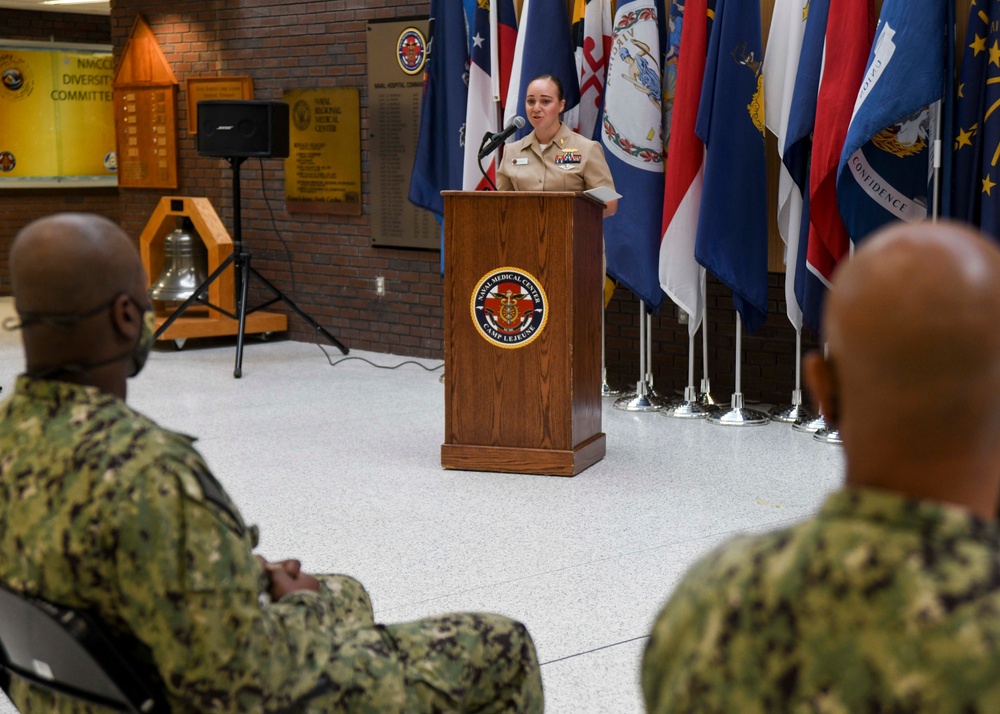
[(440, 153), (976, 181), (633, 143), (809, 290), (732, 226), (544, 46), (885, 168)]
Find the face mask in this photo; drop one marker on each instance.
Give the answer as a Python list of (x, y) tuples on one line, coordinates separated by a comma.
[(140, 352)]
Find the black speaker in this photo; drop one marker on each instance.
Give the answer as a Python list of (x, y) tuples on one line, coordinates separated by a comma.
[(241, 129)]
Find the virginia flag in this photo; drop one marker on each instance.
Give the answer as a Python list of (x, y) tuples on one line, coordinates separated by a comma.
[(481, 113), (781, 62), (732, 225), (848, 41), (633, 144), (592, 37), (885, 166), (681, 277), (976, 193), (809, 289), (438, 164), (544, 46)]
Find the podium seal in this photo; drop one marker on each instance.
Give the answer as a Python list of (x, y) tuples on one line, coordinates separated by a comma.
[(509, 307)]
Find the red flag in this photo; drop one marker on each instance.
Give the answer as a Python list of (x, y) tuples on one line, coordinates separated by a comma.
[(681, 277), (503, 23), (850, 31)]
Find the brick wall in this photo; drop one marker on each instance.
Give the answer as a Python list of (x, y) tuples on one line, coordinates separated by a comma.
[(322, 44)]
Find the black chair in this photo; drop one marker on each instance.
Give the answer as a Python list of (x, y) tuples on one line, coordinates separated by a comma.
[(69, 652)]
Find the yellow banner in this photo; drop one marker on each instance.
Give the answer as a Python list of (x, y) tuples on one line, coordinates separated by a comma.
[(56, 115), (324, 163)]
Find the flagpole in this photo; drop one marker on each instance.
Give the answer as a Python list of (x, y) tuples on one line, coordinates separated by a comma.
[(705, 393), (606, 390), (738, 414), (813, 425), (796, 412), (653, 395), (639, 402), (936, 158), (826, 433), (688, 408)]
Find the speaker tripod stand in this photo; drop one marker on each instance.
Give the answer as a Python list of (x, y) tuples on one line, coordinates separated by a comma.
[(243, 273)]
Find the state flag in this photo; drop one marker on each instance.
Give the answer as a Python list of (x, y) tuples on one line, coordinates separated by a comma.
[(633, 144), (681, 276), (732, 224), (885, 167)]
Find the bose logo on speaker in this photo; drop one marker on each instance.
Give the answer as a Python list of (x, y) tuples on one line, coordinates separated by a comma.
[(225, 128)]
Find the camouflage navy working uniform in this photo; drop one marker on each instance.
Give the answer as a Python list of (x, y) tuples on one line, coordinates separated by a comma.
[(100, 508), (879, 604)]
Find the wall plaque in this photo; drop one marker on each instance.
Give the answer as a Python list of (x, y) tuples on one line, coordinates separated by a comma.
[(323, 169), (146, 133), (396, 54), (203, 89)]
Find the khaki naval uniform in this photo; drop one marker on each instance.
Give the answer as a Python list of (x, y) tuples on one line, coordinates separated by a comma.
[(568, 163), (100, 508), (878, 604)]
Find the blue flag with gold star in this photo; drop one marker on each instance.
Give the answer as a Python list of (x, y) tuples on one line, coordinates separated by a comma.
[(732, 225), (884, 169), (976, 140)]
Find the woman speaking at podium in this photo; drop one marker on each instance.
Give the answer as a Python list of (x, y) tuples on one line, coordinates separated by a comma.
[(552, 157)]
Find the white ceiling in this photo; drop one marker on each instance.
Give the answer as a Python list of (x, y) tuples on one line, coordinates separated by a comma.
[(100, 8)]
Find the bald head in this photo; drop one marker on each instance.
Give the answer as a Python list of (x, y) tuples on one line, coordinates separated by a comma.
[(79, 288), (72, 262), (913, 329)]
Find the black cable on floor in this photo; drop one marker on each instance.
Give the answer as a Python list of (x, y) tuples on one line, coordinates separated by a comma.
[(379, 366)]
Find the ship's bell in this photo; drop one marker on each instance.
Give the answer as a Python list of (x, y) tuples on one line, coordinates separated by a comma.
[(185, 266)]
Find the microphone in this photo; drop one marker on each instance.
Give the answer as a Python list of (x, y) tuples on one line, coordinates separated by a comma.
[(494, 142)]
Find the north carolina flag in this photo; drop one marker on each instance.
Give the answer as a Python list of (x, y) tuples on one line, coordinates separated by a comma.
[(732, 225), (848, 41), (592, 27), (440, 156), (976, 140), (781, 63), (810, 291), (544, 46), (503, 40), (681, 277), (885, 166), (633, 145), (481, 113)]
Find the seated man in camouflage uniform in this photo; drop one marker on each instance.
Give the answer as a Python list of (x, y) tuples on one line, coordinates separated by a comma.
[(888, 600), (100, 508)]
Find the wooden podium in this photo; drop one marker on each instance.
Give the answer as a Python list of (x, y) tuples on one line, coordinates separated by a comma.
[(523, 302)]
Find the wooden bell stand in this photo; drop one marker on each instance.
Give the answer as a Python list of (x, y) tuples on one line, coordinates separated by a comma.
[(222, 292)]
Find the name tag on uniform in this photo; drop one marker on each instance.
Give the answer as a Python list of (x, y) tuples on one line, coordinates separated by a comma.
[(520, 162)]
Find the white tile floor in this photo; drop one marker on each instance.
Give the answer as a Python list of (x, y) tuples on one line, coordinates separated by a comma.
[(340, 466)]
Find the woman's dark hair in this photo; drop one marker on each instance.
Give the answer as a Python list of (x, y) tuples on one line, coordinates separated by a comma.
[(555, 80)]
